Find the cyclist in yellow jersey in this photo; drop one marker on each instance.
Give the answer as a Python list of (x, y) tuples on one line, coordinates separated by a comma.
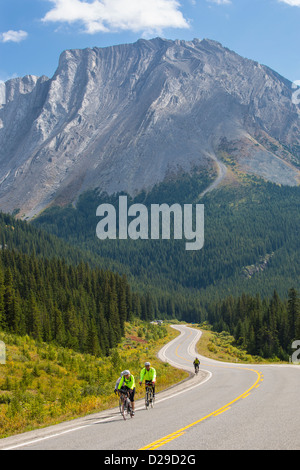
[(127, 383), (149, 374), (196, 363)]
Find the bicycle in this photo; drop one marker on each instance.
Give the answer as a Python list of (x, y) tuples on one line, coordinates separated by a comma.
[(149, 398), (196, 369), (125, 405)]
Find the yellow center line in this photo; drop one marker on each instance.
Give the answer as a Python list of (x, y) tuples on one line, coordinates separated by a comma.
[(220, 412), (170, 437), (176, 352)]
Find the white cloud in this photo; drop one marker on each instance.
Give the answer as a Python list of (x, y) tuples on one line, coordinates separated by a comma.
[(293, 3), (114, 15), (13, 36)]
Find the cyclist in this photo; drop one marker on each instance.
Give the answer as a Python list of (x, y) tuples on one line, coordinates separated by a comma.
[(118, 381), (149, 374), (196, 364), (127, 383)]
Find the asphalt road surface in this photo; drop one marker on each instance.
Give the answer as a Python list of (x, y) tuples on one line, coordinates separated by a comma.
[(226, 406)]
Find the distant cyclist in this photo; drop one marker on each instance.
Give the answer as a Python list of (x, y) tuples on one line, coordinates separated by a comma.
[(196, 365), (149, 374), (127, 384)]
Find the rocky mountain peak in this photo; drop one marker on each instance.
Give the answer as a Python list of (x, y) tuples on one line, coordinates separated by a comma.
[(124, 117)]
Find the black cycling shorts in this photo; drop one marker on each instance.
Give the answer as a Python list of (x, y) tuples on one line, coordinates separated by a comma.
[(131, 392)]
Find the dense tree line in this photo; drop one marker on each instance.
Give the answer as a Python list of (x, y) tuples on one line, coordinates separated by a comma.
[(263, 327), (74, 306), (243, 224), (157, 299)]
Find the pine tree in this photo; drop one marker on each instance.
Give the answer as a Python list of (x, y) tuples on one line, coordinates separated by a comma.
[(93, 346), (102, 327), (2, 291), (72, 328), (59, 333), (297, 328), (18, 319), (122, 304), (8, 301), (34, 326), (293, 312)]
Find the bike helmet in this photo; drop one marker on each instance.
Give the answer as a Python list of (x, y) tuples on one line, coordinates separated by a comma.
[(126, 372), (147, 364)]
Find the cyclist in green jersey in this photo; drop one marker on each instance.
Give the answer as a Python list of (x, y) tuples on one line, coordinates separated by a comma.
[(196, 363), (148, 374), (127, 383)]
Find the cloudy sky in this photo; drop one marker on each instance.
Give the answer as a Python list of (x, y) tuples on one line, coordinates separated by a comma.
[(33, 33)]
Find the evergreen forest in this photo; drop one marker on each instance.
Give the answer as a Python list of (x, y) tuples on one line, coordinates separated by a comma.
[(60, 283)]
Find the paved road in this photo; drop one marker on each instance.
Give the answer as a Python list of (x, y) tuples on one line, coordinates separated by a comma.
[(226, 406)]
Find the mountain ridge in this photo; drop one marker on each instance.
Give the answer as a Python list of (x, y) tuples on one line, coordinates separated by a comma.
[(122, 118)]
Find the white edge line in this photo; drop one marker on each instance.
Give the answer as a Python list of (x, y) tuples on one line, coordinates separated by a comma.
[(24, 444), (35, 441), (162, 352)]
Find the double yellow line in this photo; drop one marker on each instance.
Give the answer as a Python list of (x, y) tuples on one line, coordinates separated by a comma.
[(170, 437)]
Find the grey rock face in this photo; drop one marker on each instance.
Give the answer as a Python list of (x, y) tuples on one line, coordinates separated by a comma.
[(123, 117)]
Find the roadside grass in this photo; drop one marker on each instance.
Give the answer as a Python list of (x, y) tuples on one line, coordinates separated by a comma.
[(42, 384), (222, 347)]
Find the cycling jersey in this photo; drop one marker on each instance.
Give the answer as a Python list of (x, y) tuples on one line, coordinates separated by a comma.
[(130, 383), (149, 375)]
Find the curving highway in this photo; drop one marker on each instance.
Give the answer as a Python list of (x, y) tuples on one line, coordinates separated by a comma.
[(227, 406)]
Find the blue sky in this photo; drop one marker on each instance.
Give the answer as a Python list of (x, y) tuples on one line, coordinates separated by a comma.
[(33, 33)]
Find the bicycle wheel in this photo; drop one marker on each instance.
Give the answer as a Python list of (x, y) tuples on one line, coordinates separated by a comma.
[(129, 408), (152, 399), (147, 402), (124, 410), (120, 405)]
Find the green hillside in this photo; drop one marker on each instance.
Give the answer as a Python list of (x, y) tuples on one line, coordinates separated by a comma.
[(251, 249), (73, 305), (42, 384), (251, 242)]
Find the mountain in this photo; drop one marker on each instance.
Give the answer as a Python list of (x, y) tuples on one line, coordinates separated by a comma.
[(127, 117)]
